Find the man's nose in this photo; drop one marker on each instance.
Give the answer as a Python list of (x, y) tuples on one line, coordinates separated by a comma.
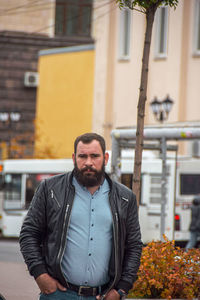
[(88, 161)]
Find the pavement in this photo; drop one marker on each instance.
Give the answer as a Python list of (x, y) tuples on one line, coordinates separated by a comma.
[(16, 283)]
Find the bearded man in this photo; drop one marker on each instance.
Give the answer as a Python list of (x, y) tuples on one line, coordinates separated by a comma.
[(81, 237)]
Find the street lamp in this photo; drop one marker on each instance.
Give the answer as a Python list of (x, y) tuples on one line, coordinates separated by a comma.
[(9, 118), (161, 109), (4, 116)]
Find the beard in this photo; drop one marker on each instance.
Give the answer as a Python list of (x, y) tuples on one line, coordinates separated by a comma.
[(89, 179)]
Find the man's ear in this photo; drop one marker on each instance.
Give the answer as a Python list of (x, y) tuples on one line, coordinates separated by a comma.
[(73, 157), (106, 158)]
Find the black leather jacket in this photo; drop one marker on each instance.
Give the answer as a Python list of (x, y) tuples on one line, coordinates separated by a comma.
[(44, 230)]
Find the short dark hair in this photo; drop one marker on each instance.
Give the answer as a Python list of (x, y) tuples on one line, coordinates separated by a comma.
[(87, 138)]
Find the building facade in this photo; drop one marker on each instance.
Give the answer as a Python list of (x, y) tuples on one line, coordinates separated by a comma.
[(174, 66), (118, 35)]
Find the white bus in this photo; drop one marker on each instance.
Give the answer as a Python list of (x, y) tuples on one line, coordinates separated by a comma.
[(21, 177), (183, 183)]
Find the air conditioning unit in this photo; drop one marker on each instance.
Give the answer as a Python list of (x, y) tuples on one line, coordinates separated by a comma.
[(31, 79)]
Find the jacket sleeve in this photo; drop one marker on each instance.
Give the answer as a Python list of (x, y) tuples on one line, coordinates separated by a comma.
[(33, 232), (133, 248)]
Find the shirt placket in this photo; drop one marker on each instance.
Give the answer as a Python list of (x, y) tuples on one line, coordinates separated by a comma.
[(91, 237)]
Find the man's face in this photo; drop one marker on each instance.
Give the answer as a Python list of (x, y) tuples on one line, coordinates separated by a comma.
[(89, 163)]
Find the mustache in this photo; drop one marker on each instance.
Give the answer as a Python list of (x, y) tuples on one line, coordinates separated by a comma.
[(88, 169)]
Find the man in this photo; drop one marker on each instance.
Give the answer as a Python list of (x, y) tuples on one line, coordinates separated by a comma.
[(195, 223), (81, 237)]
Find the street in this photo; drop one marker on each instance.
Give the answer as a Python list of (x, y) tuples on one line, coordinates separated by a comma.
[(15, 281)]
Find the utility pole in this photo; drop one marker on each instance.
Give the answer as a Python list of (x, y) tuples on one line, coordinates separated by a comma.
[(163, 187)]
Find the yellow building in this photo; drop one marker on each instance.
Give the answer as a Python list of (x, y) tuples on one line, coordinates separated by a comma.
[(64, 100)]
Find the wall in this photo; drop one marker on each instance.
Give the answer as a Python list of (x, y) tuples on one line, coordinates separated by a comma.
[(28, 16), (65, 98), (102, 36)]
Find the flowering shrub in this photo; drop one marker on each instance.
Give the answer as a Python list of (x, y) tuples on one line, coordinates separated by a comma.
[(167, 272)]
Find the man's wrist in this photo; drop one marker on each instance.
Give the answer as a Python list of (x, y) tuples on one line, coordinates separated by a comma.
[(122, 294)]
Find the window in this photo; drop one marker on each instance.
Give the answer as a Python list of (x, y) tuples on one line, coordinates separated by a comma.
[(127, 179), (156, 188), (197, 28), (124, 33), (73, 17), (189, 184), (32, 182), (12, 191), (161, 32)]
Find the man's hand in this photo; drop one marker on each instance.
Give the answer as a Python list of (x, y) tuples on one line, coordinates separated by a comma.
[(112, 295), (48, 284)]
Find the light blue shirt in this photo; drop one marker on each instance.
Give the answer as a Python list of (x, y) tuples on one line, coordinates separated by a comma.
[(89, 238)]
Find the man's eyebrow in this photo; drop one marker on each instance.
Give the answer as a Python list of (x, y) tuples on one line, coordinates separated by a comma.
[(92, 154)]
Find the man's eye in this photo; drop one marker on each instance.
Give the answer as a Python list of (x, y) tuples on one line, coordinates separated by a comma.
[(82, 156), (95, 155)]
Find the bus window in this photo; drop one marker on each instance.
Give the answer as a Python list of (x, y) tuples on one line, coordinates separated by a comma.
[(127, 179), (12, 191), (32, 182), (1, 181), (29, 190), (189, 184)]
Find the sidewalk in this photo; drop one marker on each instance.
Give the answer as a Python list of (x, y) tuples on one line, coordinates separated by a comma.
[(16, 283)]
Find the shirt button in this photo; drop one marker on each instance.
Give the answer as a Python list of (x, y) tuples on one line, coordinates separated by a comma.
[(91, 239), (92, 225), (93, 209), (89, 254)]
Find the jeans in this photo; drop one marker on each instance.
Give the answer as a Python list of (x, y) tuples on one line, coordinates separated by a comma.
[(68, 295), (193, 239)]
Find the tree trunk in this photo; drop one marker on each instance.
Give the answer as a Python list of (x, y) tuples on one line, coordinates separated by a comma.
[(150, 13)]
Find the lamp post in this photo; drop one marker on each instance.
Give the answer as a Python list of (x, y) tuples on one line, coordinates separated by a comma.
[(9, 118), (161, 109)]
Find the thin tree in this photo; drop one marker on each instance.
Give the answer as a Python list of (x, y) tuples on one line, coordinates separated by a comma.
[(148, 7)]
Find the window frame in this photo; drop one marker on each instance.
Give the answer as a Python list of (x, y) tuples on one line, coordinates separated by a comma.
[(65, 6), (189, 184), (196, 42), (12, 191), (158, 52), (125, 36)]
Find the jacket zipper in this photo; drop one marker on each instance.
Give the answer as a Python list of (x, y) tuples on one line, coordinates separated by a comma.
[(115, 242), (61, 252), (61, 257), (53, 196), (66, 212)]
